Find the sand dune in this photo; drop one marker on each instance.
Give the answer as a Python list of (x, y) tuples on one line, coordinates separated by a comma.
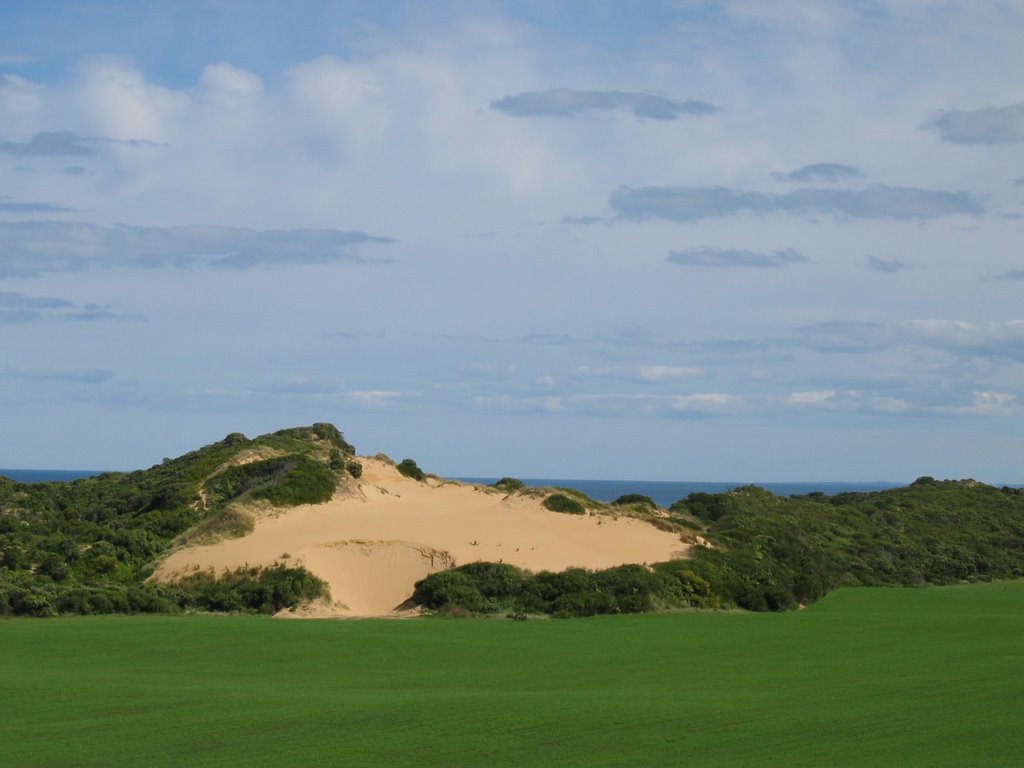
[(373, 541)]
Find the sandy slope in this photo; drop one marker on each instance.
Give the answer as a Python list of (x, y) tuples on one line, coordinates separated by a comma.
[(373, 544)]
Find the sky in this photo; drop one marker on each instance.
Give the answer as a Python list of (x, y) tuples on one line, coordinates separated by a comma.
[(741, 241)]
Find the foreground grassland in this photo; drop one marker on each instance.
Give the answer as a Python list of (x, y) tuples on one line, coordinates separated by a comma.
[(866, 677)]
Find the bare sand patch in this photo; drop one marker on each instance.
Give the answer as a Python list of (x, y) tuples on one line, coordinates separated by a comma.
[(372, 542)]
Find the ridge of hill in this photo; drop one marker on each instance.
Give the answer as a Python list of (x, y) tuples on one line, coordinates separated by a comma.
[(88, 546), (175, 536)]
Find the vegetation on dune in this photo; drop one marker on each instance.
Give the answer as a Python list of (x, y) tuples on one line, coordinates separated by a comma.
[(634, 498), (88, 546), (560, 502), (409, 468), (250, 590), (509, 484), (772, 553), (775, 553), (504, 589)]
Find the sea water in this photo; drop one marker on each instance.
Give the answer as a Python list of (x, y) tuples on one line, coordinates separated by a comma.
[(665, 492), (46, 475)]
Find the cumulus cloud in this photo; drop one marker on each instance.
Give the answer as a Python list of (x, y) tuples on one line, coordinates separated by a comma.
[(48, 144), (115, 97), (820, 172), (564, 102), (18, 308), (886, 265), (989, 125), (225, 77), (876, 201), (706, 256), (36, 247)]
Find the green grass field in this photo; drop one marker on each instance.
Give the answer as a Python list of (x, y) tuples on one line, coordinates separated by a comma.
[(867, 677)]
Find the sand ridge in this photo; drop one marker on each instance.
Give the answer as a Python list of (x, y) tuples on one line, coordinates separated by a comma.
[(381, 534)]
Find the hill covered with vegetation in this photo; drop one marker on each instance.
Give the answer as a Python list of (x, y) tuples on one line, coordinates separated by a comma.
[(88, 546), (772, 553)]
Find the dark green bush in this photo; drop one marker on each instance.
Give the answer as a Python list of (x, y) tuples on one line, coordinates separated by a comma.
[(251, 590), (495, 580), (559, 502), (337, 460), (509, 484), (706, 506), (355, 469), (634, 498), (449, 588), (307, 482), (408, 468)]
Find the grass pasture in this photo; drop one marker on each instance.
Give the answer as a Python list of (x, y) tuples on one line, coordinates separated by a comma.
[(867, 677)]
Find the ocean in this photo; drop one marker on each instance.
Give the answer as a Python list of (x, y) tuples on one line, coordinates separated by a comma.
[(665, 492), (46, 475)]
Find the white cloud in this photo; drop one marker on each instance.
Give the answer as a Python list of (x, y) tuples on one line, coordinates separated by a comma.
[(378, 398), (706, 402), (119, 103), (812, 398), (643, 373), (225, 77), (991, 404)]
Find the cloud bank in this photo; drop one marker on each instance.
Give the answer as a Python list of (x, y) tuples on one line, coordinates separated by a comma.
[(706, 256), (820, 172), (989, 125), (18, 308), (876, 201), (564, 102), (37, 247), (48, 144), (889, 266)]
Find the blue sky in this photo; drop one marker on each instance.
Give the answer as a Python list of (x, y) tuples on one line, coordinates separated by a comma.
[(685, 240)]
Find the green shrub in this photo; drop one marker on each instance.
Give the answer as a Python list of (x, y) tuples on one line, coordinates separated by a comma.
[(354, 468), (494, 580), (559, 502), (634, 498), (449, 588), (509, 484), (251, 590), (307, 482), (408, 468), (337, 460)]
